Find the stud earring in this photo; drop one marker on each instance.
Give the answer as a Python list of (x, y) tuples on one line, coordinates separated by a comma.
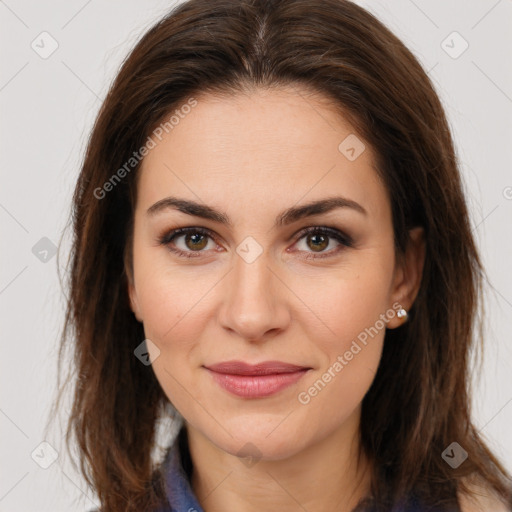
[(402, 313)]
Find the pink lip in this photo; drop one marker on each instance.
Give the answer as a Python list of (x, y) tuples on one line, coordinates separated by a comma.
[(255, 381)]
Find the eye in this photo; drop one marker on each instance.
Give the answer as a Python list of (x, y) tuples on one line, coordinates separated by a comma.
[(194, 241), (318, 239)]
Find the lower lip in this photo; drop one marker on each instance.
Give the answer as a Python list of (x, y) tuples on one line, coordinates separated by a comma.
[(252, 386)]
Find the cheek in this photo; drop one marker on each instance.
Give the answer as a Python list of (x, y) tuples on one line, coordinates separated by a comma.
[(171, 298), (353, 312), (171, 306), (335, 390), (347, 303)]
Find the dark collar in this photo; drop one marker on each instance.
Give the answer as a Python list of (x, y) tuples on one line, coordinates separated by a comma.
[(177, 468)]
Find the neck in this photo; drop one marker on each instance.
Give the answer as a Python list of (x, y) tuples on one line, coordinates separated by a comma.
[(325, 476)]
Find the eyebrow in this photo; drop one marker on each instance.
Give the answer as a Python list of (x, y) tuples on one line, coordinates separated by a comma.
[(288, 216)]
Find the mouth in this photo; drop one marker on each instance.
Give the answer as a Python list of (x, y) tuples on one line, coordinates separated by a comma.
[(255, 381)]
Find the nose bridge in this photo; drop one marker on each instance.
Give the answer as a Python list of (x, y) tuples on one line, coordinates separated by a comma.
[(252, 303)]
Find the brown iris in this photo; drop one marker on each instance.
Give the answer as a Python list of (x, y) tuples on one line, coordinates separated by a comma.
[(320, 246), (199, 241)]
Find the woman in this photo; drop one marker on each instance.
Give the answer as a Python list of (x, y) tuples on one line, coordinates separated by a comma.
[(271, 239)]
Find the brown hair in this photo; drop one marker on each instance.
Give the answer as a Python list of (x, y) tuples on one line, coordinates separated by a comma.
[(419, 402)]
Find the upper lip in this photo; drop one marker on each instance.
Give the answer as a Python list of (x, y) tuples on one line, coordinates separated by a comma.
[(264, 368)]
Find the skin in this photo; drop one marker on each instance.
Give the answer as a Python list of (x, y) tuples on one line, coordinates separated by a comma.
[(252, 156)]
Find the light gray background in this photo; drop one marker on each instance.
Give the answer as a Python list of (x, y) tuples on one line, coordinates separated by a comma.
[(47, 110)]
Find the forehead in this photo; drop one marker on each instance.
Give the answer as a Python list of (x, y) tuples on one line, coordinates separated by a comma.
[(266, 146)]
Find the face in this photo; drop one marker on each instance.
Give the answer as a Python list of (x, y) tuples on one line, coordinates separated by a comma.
[(256, 282)]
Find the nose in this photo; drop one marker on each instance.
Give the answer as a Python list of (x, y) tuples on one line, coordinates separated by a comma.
[(255, 305)]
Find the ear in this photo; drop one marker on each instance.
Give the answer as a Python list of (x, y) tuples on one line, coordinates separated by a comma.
[(134, 301), (128, 271), (408, 274), (132, 293)]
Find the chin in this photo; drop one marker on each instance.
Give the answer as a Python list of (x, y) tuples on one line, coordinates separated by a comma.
[(259, 441)]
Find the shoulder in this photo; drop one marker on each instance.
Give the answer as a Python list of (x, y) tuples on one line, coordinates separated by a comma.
[(481, 500)]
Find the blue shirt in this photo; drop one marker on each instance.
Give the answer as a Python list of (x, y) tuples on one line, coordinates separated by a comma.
[(177, 470)]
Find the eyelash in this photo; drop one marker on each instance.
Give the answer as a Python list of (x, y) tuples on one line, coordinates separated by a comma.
[(343, 239)]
